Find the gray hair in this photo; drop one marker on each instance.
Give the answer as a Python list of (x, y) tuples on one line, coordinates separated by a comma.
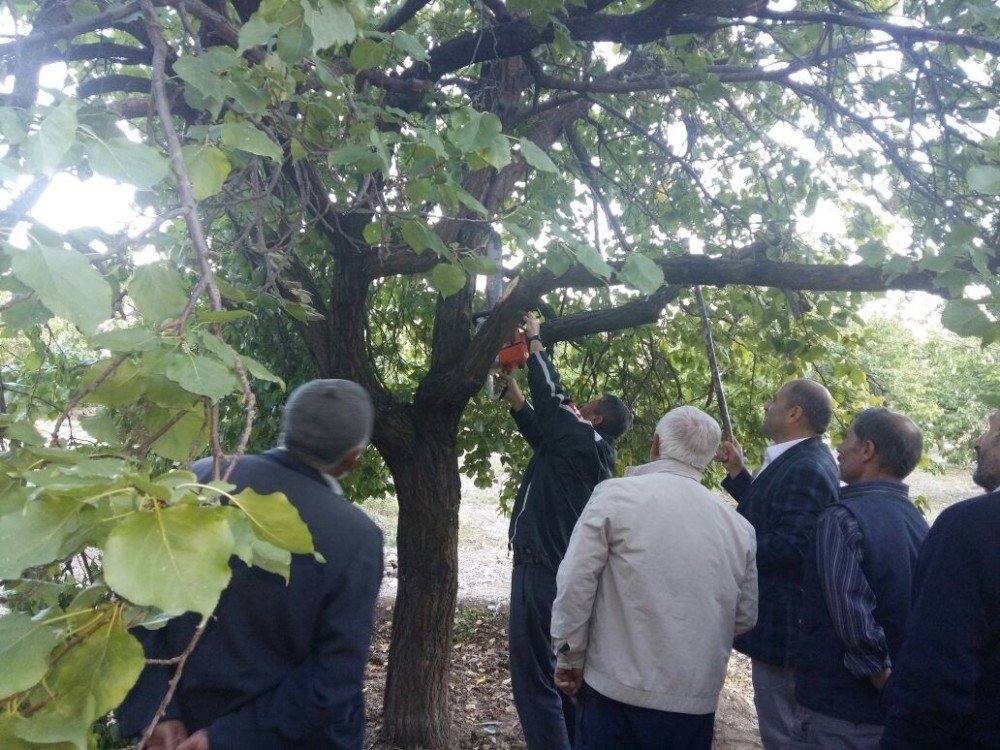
[(324, 420), (688, 435)]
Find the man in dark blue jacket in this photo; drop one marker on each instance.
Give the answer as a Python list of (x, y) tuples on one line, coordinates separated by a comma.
[(573, 451), (782, 500), (281, 667), (945, 687), (856, 591)]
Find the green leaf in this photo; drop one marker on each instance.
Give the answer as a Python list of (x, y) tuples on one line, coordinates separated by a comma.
[(35, 535), (201, 375), (105, 665), (25, 314), (270, 558), (100, 426), (25, 432), (368, 53), (246, 137), (294, 42), (256, 370), (642, 273), (275, 520), (591, 260), (187, 437), (136, 339), (92, 677), (480, 265), (330, 23), (133, 163), (207, 168), (63, 723), (223, 316), (25, 645), (255, 32), (198, 72), (122, 387), (54, 137), (175, 559), (497, 154), (984, 179), (536, 157), (66, 283), (478, 133), (446, 278), (468, 200), (409, 45), (966, 319), (158, 292), (11, 127)]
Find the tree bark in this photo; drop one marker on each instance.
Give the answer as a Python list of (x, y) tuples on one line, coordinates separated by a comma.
[(428, 488)]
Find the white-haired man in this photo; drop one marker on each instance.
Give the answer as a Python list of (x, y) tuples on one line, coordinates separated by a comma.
[(660, 575)]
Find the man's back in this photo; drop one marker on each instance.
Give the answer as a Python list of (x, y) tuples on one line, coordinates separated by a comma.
[(679, 582), (281, 666), (945, 689)]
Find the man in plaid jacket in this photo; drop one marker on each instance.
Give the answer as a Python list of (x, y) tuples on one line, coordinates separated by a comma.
[(799, 478)]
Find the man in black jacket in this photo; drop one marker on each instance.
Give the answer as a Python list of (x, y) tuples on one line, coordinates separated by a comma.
[(945, 690), (574, 450), (281, 667)]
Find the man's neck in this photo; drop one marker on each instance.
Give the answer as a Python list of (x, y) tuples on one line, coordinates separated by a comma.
[(876, 475)]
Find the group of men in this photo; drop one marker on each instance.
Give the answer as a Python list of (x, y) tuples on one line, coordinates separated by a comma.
[(628, 594)]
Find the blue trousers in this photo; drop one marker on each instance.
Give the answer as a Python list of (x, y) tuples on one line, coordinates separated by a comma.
[(547, 716), (606, 724)]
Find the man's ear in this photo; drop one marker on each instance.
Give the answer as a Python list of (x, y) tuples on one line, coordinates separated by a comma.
[(348, 462), (595, 419), (654, 451), (868, 451)]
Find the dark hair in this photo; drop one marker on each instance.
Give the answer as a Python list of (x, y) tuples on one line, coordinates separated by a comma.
[(896, 439), (616, 417), (814, 401)]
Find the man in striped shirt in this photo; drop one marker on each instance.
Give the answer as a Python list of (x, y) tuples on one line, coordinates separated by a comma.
[(857, 584)]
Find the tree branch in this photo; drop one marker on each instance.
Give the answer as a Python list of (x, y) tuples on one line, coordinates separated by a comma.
[(904, 35)]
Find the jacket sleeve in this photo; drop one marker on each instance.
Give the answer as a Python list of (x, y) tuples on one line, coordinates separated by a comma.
[(847, 593), (577, 579), (555, 414), (797, 502), (737, 486), (932, 691), (527, 424), (746, 604), (322, 695)]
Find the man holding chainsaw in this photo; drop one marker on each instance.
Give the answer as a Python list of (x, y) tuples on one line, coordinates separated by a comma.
[(573, 451)]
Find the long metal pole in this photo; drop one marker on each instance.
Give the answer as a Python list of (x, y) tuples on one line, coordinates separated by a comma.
[(713, 362)]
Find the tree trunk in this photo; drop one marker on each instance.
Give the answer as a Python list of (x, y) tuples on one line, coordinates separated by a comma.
[(428, 487)]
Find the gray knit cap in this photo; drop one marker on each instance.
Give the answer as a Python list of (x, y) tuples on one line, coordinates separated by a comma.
[(324, 419)]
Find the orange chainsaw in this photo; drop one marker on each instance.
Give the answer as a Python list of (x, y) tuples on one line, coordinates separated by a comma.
[(512, 355)]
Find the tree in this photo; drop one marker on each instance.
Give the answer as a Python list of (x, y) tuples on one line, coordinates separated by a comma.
[(353, 164)]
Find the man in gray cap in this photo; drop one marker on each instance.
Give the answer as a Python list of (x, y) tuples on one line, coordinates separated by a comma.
[(281, 666)]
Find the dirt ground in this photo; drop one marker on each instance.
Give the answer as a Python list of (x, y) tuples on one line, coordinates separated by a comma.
[(482, 706)]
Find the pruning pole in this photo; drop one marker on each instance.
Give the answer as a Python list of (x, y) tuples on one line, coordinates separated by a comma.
[(713, 362)]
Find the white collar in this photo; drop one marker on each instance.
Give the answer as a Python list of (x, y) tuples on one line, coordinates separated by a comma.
[(666, 464), (773, 451)]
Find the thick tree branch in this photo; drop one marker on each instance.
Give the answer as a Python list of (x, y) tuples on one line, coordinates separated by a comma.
[(405, 12), (628, 315), (904, 35), (688, 270)]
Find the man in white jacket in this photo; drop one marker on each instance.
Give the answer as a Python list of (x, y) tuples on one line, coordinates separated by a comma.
[(659, 576)]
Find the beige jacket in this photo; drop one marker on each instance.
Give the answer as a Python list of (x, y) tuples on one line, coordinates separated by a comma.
[(659, 576)]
